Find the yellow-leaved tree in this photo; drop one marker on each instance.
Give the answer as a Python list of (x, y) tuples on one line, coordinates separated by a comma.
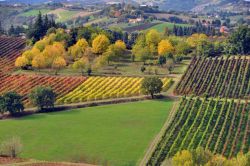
[(38, 62), (153, 37), (196, 39), (30, 54), (58, 64), (77, 51), (41, 44), (100, 44), (165, 47), (217, 160), (51, 52), (21, 61), (100, 61), (183, 158), (81, 64), (120, 44)]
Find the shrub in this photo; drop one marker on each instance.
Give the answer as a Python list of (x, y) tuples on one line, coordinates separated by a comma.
[(11, 147)]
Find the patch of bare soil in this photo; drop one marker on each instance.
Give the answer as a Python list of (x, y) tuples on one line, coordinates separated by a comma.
[(9, 160)]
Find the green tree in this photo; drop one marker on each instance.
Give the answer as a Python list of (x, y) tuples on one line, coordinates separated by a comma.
[(151, 86), (162, 60), (170, 65), (38, 27), (42, 97), (239, 41), (182, 48), (13, 103)]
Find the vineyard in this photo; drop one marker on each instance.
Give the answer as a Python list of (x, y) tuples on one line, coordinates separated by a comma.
[(97, 88), (10, 49), (23, 84), (224, 77), (75, 89), (218, 125)]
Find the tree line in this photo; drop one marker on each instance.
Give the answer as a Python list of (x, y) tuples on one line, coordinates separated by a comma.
[(198, 28)]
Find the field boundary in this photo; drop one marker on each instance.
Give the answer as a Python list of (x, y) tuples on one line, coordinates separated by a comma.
[(58, 108), (34, 162), (157, 138)]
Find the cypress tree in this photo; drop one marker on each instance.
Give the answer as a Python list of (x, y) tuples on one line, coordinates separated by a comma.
[(38, 27)]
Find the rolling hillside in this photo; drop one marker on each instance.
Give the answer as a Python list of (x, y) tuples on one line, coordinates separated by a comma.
[(199, 5), (194, 5)]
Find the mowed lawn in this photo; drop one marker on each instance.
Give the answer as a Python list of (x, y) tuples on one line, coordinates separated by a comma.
[(115, 134)]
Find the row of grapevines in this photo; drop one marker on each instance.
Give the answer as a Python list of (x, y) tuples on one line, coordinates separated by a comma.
[(207, 78), (220, 125), (225, 127), (160, 145), (160, 153), (187, 74), (218, 77)]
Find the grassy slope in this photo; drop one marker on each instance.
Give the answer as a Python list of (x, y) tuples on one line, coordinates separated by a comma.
[(119, 134), (34, 12), (161, 27), (62, 14), (66, 15)]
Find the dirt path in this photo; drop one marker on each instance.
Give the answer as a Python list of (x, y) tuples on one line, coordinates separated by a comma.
[(154, 143)]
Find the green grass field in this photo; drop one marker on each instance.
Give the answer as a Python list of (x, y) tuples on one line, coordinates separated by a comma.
[(117, 134), (62, 14), (65, 15), (34, 12), (161, 27)]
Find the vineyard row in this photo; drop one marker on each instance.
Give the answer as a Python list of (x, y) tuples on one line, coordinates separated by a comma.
[(216, 77), (10, 49)]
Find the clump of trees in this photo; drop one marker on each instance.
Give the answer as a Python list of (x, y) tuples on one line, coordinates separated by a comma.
[(198, 27), (42, 24), (46, 53), (87, 48), (200, 156), (52, 52), (238, 42)]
